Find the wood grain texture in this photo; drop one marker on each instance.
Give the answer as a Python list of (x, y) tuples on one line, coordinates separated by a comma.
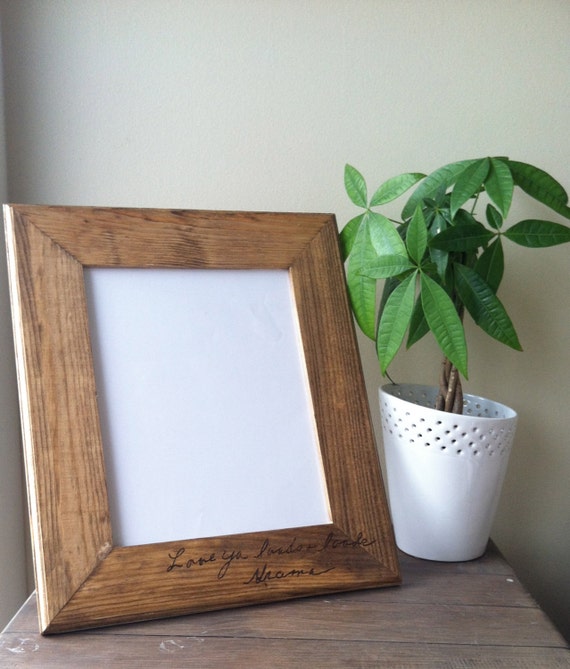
[(339, 397), (114, 237), (454, 615), (82, 579), (70, 523)]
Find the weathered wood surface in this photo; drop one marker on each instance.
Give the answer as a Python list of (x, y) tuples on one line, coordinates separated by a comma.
[(473, 614)]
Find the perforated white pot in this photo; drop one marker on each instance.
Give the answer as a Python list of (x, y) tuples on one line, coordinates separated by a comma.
[(444, 471)]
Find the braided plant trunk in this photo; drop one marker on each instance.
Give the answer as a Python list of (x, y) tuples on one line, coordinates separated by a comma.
[(450, 397)]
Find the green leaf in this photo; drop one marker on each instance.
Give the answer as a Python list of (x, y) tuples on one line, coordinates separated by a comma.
[(348, 235), (390, 284), (395, 187), (491, 264), (464, 217), (441, 178), (464, 237), (444, 322), (416, 236), (394, 322), (538, 234), (384, 236), (499, 186), (418, 325), (362, 289), (494, 218), (437, 221), (439, 257), (468, 184), (541, 186), (386, 266), (355, 186), (484, 306)]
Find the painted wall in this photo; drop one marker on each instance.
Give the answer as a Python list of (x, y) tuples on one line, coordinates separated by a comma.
[(13, 588), (259, 104)]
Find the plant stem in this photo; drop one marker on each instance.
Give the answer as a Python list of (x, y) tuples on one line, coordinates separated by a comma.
[(475, 200), (450, 397)]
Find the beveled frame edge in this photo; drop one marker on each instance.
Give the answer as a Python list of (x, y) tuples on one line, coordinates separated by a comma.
[(47, 250)]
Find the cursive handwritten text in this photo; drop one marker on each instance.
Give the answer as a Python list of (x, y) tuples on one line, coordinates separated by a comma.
[(265, 575), (360, 541), (267, 550), (178, 563)]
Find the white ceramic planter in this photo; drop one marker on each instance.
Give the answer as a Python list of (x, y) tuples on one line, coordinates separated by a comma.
[(444, 471)]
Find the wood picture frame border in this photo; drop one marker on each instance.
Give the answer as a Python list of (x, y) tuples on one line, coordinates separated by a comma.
[(82, 579)]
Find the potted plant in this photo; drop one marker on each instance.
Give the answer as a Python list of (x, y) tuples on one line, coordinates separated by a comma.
[(446, 452)]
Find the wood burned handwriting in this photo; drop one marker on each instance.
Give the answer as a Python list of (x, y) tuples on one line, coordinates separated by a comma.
[(262, 573)]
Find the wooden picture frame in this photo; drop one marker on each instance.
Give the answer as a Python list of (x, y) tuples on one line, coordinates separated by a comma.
[(83, 580)]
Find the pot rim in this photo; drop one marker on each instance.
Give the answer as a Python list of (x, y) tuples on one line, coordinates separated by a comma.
[(392, 389)]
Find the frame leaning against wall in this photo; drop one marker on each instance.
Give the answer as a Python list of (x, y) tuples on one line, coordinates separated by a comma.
[(83, 580)]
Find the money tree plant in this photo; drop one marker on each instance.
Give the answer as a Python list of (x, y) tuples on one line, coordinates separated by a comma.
[(442, 259)]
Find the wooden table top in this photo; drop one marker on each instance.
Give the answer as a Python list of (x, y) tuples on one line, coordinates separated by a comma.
[(473, 614)]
